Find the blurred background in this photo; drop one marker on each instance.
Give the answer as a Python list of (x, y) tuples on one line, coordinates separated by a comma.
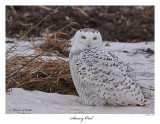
[(116, 23)]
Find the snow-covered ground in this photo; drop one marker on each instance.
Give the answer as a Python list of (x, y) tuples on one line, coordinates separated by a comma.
[(21, 101), (139, 66)]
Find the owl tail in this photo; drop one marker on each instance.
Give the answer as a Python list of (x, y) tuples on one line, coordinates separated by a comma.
[(146, 92)]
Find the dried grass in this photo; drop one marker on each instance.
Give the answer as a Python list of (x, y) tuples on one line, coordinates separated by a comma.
[(31, 72), (46, 76), (39, 74)]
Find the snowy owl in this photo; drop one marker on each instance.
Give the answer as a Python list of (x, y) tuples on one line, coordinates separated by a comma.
[(99, 77)]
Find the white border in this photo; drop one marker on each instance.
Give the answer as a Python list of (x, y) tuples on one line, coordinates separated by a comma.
[(98, 118)]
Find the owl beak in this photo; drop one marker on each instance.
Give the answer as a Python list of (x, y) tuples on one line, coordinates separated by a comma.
[(88, 45)]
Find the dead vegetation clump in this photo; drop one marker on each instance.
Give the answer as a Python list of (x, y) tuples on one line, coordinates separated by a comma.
[(60, 46), (33, 72), (47, 76)]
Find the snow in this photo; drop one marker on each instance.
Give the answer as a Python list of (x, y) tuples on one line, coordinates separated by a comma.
[(28, 48), (139, 66), (21, 48), (20, 101)]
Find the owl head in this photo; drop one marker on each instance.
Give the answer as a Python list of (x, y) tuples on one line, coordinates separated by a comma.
[(86, 38)]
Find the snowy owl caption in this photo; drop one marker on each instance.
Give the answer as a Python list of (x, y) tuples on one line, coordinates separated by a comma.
[(81, 119)]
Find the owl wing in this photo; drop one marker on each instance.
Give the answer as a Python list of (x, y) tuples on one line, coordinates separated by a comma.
[(96, 67)]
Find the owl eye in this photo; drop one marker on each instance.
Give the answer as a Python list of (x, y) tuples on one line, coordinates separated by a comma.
[(83, 37), (94, 38)]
